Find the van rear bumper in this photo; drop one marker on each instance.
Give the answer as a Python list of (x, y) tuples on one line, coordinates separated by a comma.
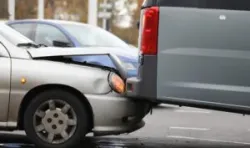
[(144, 86), (135, 91), (132, 87)]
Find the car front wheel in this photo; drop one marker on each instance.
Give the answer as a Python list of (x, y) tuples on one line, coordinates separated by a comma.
[(56, 119)]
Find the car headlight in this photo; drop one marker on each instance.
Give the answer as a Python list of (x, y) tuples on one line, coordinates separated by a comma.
[(116, 83), (129, 66)]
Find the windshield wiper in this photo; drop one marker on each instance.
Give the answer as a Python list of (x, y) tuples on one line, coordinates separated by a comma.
[(28, 45), (31, 45), (42, 45)]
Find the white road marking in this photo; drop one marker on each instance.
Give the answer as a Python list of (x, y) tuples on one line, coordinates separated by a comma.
[(209, 140), (193, 111), (189, 128)]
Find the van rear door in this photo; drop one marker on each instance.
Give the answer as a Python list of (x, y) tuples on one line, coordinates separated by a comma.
[(198, 52), (204, 51)]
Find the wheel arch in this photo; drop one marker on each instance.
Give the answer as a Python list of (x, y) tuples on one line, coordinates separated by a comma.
[(33, 92)]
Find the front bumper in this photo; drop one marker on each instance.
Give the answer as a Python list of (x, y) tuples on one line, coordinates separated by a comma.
[(115, 115)]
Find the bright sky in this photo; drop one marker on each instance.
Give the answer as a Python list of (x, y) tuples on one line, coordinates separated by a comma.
[(123, 18)]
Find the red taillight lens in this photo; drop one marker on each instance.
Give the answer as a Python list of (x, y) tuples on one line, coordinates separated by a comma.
[(149, 37)]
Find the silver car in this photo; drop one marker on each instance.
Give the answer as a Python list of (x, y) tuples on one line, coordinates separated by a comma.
[(57, 100)]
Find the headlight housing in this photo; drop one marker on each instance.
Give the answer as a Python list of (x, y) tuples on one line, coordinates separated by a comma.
[(116, 83), (129, 66)]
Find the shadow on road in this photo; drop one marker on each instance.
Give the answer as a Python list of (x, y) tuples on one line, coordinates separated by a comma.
[(12, 141), (167, 107)]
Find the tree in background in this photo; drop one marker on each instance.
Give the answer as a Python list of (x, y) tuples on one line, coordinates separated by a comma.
[(4, 9), (26, 9), (49, 9), (129, 34), (77, 10), (59, 9)]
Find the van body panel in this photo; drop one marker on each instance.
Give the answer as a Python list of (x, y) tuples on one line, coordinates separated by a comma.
[(203, 55)]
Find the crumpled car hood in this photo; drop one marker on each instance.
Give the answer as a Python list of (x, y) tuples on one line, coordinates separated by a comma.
[(54, 51)]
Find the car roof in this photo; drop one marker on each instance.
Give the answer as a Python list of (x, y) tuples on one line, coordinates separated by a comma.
[(50, 21)]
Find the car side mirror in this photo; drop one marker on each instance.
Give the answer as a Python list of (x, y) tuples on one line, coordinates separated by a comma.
[(61, 44)]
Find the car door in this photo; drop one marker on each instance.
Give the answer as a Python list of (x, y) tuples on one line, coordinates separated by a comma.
[(50, 35), (5, 68)]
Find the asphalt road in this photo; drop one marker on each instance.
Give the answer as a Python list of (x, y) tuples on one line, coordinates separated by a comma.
[(192, 123), (170, 127)]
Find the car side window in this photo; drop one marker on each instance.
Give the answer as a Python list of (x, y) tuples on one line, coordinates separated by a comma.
[(46, 34), (23, 28)]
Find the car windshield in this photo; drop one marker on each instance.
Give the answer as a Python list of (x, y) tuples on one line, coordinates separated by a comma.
[(94, 36), (13, 36)]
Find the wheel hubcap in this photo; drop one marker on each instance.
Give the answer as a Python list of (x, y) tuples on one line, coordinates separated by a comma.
[(55, 121)]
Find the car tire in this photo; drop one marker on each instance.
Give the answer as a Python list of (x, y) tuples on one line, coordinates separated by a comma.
[(46, 124)]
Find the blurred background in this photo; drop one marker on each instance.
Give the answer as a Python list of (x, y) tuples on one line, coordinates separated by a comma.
[(117, 16)]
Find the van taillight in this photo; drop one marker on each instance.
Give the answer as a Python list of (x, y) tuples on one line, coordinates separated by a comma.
[(149, 36)]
